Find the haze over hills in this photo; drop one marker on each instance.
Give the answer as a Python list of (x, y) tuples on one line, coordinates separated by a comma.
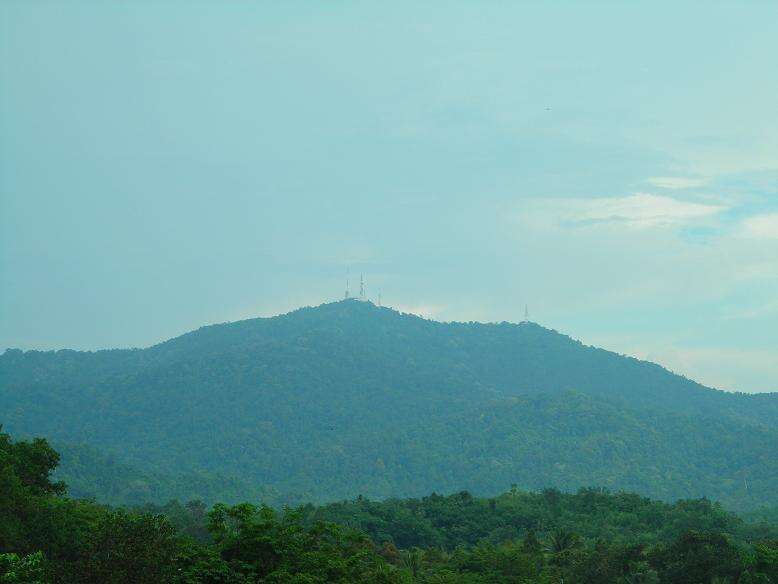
[(349, 398)]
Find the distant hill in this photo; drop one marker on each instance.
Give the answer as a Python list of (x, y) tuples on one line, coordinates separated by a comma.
[(348, 398)]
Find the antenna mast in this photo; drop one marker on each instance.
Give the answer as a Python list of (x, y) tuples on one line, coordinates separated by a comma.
[(346, 295), (361, 287), (526, 313)]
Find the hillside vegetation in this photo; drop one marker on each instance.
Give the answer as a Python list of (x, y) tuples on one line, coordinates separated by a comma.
[(350, 399), (592, 537)]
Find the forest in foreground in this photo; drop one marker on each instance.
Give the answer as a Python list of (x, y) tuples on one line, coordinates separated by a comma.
[(592, 536)]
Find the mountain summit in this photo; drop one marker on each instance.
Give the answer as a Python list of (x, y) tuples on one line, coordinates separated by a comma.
[(350, 398)]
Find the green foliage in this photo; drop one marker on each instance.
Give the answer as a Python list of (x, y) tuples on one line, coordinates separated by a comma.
[(461, 519), (45, 535), (31, 463), (25, 485), (591, 537), (765, 559), (189, 519), (28, 569), (262, 545), (122, 547), (699, 558)]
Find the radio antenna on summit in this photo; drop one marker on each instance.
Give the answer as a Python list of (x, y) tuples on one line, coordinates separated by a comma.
[(526, 313), (346, 295), (361, 287)]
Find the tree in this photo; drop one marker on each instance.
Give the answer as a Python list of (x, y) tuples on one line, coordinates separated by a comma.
[(562, 540), (263, 544), (22, 570), (698, 558), (124, 547)]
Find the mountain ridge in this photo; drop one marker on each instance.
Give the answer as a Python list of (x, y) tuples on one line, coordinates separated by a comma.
[(349, 398), (370, 306)]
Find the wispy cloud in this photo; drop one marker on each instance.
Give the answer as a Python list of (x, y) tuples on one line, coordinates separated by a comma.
[(766, 309), (764, 226), (677, 182), (641, 210)]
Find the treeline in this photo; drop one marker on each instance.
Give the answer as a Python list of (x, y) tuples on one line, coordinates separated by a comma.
[(548, 537)]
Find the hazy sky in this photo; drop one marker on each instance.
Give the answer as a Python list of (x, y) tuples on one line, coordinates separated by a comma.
[(165, 165)]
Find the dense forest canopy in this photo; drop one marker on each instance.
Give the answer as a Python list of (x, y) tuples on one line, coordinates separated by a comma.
[(350, 399), (591, 537)]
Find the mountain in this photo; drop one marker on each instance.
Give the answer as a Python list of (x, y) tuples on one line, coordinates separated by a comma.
[(349, 398)]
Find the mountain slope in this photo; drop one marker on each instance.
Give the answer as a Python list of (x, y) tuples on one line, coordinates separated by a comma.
[(90, 474), (349, 398)]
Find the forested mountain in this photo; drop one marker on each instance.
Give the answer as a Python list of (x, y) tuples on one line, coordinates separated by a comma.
[(348, 398)]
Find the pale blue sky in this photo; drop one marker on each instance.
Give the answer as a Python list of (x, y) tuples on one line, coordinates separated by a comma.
[(614, 165)]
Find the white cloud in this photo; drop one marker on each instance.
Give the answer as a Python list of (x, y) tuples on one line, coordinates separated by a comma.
[(642, 210), (677, 182), (761, 226), (423, 310)]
